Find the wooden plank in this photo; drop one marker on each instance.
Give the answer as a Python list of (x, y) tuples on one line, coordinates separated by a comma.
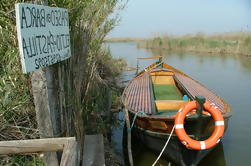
[(93, 151), (70, 154), (138, 94), (169, 104), (53, 98), (163, 80), (43, 113), (33, 146), (151, 96), (162, 73), (132, 98), (196, 89), (40, 94)]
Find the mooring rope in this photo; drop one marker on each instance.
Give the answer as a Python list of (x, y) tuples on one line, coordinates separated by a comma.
[(164, 146), (135, 116)]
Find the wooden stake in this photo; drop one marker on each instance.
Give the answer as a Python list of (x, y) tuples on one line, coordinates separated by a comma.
[(43, 112), (129, 143), (70, 155)]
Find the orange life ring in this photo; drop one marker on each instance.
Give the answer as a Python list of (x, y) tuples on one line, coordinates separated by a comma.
[(191, 143)]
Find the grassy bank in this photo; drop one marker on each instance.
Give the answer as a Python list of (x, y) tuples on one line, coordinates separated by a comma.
[(124, 39), (227, 43)]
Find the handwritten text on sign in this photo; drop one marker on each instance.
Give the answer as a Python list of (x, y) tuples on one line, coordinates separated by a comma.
[(43, 35)]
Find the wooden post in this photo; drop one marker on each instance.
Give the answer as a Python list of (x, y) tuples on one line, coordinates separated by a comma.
[(93, 150), (45, 93), (70, 154), (45, 82), (129, 143), (52, 80), (43, 112)]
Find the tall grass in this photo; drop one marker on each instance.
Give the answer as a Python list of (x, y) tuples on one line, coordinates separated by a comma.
[(16, 108), (233, 43), (86, 79)]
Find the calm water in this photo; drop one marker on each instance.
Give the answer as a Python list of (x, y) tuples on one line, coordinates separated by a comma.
[(228, 76)]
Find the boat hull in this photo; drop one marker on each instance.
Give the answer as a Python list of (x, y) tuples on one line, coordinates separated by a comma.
[(175, 151)]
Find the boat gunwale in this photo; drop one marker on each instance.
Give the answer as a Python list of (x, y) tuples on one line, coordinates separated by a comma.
[(154, 117)]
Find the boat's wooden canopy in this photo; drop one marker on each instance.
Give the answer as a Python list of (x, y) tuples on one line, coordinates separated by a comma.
[(137, 94), (194, 88)]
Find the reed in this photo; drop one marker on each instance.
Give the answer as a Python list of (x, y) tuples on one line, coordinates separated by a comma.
[(225, 43), (87, 78)]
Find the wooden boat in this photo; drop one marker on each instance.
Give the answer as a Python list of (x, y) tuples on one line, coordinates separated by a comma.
[(154, 96)]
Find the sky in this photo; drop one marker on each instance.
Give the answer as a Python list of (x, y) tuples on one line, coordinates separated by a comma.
[(147, 18)]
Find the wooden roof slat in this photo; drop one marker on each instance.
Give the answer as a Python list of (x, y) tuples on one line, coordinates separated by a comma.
[(138, 95), (134, 96), (195, 88), (131, 94), (145, 102), (148, 107)]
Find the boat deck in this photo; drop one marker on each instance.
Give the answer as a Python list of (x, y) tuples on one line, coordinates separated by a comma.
[(196, 89), (137, 95)]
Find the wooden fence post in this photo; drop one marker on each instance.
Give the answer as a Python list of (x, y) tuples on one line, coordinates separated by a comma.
[(45, 93), (52, 79), (43, 112)]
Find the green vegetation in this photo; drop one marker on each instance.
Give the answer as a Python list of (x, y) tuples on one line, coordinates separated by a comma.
[(89, 77), (27, 160), (231, 43), (166, 92), (17, 116), (126, 39)]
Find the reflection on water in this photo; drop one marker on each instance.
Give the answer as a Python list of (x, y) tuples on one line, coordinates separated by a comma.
[(216, 157), (229, 76)]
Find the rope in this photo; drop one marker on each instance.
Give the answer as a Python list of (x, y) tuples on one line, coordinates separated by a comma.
[(134, 118), (164, 146)]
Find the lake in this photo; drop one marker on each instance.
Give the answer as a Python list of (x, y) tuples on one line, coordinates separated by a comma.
[(227, 75)]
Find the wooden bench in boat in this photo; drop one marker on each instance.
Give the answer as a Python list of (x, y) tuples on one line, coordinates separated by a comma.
[(162, 79), (165, 105)]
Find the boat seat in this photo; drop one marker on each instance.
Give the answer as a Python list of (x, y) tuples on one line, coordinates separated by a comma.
[(162, 73), (162, 79), (166, 105)]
